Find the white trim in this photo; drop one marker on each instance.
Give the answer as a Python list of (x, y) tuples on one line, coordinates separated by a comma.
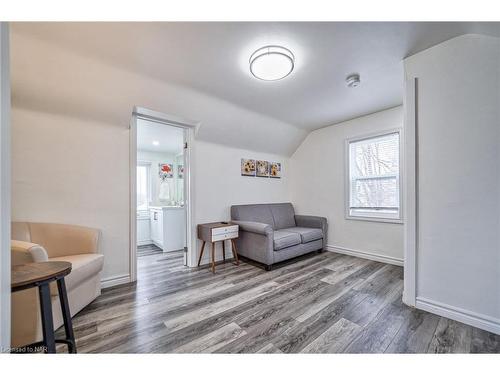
[(347, 178), (481, 321), (410, 190), (190, 128), (366, 255), (144, 242), (5, 188), (133, 199), (115, 280)]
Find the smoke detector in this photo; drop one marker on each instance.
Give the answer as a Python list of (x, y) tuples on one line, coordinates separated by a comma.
[(352, 80)]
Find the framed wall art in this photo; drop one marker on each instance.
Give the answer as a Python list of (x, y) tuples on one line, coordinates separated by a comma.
[(248, 167)]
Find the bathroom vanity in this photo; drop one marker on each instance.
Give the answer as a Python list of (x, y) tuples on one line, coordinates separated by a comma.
[(168, 227)]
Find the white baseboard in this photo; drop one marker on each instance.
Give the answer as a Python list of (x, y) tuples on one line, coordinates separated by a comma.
[(144, 242), (366, 255), (115, 280), (481, 321)]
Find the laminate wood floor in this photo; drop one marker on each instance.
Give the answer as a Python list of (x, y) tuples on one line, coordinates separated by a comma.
[(324, 303), (146, 250)]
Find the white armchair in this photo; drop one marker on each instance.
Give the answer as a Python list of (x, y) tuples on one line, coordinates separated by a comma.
[(41, 242)]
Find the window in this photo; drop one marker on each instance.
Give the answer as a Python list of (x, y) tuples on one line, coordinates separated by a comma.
[(143, 186), (374, 178)]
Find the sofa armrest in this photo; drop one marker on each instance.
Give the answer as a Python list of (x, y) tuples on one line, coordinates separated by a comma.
[(313, 222), (254, 227), (26, 252), (255, 241)]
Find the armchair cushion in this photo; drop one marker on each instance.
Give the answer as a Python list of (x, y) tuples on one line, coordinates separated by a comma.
[(83, 267), (283, 239), (307, 234)]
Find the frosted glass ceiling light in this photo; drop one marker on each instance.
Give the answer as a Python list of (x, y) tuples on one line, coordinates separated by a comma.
[(271, 63)]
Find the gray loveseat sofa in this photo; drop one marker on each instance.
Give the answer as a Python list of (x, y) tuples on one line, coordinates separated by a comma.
[(271, 233)]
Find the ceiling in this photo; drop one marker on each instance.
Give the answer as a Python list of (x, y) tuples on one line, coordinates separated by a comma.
[(169, 138), (213, 58)]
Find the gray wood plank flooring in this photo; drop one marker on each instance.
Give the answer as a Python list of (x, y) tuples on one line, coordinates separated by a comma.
[(321, 303)]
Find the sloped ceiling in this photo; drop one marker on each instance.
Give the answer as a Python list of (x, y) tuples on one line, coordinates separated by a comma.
[(200, 71)]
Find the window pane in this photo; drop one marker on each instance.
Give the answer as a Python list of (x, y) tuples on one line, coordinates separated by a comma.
[(142, 187), (376, 156), (375, 192), (374, 175)]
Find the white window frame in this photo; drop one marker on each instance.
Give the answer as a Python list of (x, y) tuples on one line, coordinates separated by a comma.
[(147, 164), (373, 216)]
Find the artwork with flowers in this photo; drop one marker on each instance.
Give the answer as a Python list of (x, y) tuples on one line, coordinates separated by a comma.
[(248, 167), (165, 171), (260, 168), (274, 170)]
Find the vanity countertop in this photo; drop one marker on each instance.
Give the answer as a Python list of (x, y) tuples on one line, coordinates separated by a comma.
[(166, 207)]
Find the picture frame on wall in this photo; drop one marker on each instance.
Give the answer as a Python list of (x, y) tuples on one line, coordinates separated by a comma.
[(274, 170), (262, 168), (248, 167), (165, 170)]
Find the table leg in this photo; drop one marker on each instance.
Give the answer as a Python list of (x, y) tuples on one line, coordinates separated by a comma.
[(213, 257), (49, 340), (68, 325), (224, 251), (201, 253), (235, 251)]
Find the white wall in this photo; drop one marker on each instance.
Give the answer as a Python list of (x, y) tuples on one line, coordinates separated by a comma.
[(67, 170), (318, 184), (219, 184), (458, 254)]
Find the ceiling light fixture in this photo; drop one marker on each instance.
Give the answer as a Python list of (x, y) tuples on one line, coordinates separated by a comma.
[(156, 143), (353, 80), (271, 63)]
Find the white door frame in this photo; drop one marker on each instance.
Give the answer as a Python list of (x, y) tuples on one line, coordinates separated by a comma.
[(191, 127), (410, 194), (5, 188)]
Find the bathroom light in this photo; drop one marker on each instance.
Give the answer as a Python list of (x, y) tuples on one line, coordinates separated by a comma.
[(156, 143), (271, 63)]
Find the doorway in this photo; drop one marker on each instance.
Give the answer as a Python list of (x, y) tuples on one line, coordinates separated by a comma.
[(160, 189)]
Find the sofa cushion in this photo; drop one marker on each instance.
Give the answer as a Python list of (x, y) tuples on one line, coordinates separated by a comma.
[(306, 234), (83, 266), (260, 213), (283, 239), (283, 215)]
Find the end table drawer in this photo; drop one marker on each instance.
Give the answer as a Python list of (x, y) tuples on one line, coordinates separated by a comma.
[(223, 230), (224, 236)]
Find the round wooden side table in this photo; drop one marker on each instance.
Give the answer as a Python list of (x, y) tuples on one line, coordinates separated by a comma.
[(40, 275)]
